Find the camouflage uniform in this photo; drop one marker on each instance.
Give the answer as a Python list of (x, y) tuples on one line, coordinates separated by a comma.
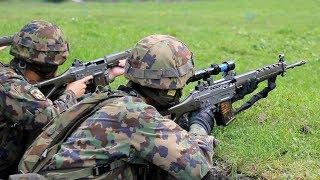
[(128, 128), (25, 110)]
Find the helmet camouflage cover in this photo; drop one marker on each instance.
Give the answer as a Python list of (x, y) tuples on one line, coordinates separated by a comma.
[(160, 62), (40, 42)]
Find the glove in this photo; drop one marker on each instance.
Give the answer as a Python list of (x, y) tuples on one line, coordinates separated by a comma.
[(183, 122), (204, 117)]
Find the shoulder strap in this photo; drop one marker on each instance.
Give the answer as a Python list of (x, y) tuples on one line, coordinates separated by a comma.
[(49, 141)]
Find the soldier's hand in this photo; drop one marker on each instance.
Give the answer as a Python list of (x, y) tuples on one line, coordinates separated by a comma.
[(118, 70), (204, 117), (79, 87)]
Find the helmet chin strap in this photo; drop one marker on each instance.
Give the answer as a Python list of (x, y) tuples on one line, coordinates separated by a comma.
[(44, 72), (19, 66)]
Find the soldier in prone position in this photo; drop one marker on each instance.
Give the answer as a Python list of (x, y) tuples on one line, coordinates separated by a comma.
[(38, 49), (128, 138)]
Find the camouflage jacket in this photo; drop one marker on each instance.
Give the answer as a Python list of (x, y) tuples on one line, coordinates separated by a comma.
[(24, 112), (128, 127)]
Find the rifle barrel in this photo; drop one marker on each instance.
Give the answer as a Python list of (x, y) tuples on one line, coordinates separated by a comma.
[(300, 63), (112, 59)]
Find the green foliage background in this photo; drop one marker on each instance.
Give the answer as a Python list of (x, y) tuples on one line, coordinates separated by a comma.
[(266, 141)]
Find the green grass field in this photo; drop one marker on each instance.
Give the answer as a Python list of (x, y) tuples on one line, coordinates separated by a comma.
[(265, 141)]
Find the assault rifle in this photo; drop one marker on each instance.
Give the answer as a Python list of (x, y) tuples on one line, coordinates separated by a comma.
[(97, 68), (220, 94), (6, 40)]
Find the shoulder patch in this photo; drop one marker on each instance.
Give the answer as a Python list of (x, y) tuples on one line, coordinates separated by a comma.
[(37, 94)]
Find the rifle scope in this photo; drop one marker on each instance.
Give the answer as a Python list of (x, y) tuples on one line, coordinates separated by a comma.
[(214, 69)]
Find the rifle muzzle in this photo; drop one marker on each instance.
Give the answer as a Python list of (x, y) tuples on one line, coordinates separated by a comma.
[(6, 41), (299, 63)]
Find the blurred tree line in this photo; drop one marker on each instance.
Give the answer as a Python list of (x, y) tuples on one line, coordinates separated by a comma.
[(58, 1)]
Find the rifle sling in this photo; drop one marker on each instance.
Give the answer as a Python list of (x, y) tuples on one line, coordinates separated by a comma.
[(262, 94)]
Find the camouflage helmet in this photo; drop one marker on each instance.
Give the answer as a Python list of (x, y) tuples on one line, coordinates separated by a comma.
[(160, 62), (40, 42)]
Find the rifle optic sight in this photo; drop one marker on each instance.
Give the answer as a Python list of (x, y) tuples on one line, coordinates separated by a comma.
[(214, 69)]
